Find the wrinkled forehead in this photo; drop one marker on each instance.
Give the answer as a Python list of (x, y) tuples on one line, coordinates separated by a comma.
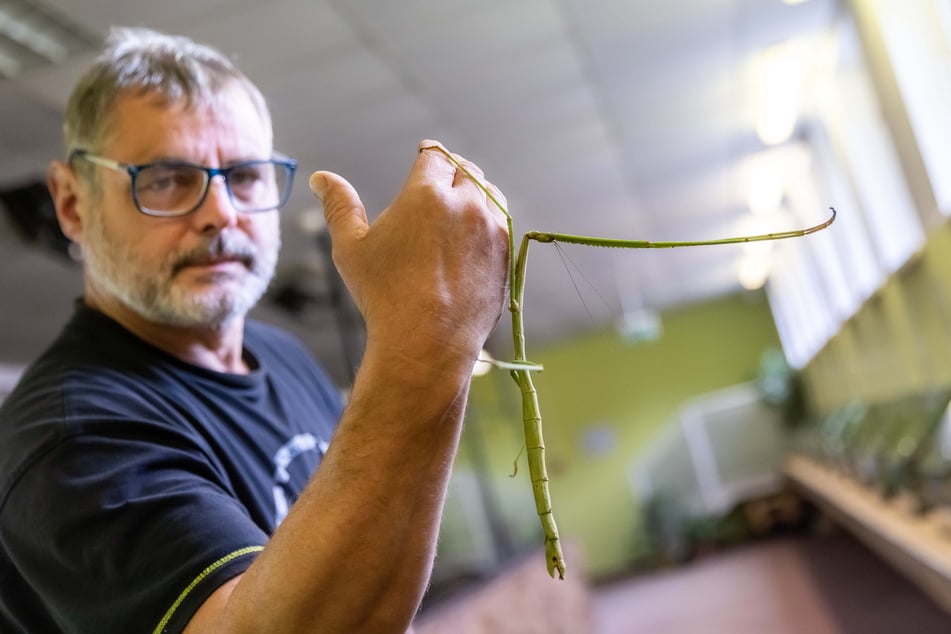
[(213, 105)]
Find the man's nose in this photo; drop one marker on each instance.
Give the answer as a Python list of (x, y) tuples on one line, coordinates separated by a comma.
[(217, 211)]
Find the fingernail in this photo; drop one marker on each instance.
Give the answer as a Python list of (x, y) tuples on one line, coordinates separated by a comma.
[(318, 184), (426, 144)]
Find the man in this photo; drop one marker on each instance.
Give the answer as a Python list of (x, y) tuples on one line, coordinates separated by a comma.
[(159, 463)]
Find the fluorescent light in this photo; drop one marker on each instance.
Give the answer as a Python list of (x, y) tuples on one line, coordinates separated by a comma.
[(753, 271), (778, 76), (765, 183), (642, 324), (22, 30), (32, 36)]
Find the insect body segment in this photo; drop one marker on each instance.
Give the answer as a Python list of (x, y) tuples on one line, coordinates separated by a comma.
[(538, 472), (521, 368)]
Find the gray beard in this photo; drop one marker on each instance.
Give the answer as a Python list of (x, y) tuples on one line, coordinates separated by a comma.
[(153, 293)]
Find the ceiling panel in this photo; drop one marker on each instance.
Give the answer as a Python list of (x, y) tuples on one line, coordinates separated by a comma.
[(52, 85), (601, 117), (97, 15), (412, 15), (607, 20), (286, 33), (327, 88), (465, 40), (37, 124)]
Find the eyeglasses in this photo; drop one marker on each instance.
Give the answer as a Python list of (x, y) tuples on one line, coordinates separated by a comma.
[(177, 188)]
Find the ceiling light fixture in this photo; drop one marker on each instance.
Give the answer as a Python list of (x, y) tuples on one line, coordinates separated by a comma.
[(765, 186), (778, 76), (32, 36), (753, 271)]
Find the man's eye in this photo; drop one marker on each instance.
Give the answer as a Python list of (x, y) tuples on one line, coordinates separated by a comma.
[(159, 184), (164, 179), (245, 175)]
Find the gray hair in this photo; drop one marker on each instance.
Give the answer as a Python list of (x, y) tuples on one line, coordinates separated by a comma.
[(143, 61)]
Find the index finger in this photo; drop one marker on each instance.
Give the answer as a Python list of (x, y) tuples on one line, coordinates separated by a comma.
[(466, 174), (432, 161)]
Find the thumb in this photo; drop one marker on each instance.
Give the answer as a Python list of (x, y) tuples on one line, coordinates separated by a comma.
[(345, 215)]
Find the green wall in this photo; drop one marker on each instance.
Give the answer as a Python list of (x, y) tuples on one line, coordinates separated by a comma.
[(603, 401)]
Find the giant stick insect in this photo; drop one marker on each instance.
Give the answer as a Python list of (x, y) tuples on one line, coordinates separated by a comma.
[(521, 368)]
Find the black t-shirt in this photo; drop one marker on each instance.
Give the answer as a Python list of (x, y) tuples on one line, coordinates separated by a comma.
[(132, 484)]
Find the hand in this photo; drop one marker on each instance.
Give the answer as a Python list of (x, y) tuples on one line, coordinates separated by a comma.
[(429, 274)]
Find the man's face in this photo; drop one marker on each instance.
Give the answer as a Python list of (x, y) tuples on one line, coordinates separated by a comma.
[(203, 269)]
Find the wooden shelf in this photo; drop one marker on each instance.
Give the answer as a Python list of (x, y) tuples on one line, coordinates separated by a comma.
[(918, 545)]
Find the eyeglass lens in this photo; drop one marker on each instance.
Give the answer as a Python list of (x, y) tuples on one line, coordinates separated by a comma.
[(174, 188)]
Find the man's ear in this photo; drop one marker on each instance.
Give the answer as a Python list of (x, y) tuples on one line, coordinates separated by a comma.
[(64, 186)]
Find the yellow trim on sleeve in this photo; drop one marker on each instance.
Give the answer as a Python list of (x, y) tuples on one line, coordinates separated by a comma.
[(204, 573)]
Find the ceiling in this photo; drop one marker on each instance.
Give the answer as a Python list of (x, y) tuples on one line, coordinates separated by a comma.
[(621, 118)]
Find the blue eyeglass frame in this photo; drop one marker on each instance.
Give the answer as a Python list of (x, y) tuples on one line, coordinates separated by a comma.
[(133, 171)]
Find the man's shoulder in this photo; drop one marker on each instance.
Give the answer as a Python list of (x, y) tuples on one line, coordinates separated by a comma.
[(88, 337), (90, 355), (92, 376), (35, 417)]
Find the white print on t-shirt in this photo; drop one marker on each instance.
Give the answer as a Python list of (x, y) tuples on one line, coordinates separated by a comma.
[(282, 459)]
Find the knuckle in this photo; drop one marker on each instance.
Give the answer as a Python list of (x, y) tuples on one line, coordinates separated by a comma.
[(469, 165), (499, 195), (431, 193)]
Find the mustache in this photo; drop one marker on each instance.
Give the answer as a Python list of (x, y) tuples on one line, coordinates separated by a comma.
[(220, 247)]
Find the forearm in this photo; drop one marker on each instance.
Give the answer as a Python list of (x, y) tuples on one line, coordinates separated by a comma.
[(356, 550)]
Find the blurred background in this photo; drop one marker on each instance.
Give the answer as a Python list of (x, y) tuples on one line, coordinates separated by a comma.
[(699, 403)]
